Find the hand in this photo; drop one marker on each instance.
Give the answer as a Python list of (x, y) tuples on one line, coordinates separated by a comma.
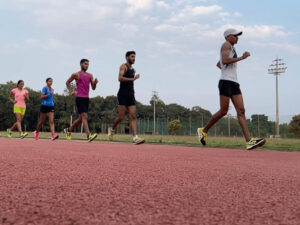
[(15, 101), (74, 93), (52, 92), (96, 81), (136, 77), (246, 55)]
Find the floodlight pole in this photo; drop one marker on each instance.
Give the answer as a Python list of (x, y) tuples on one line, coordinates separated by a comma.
[(155, 94), (276, 69)]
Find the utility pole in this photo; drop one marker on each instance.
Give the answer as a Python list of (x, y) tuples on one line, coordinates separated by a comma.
[(276, 69), (228, 125), (155, 99), (190, 123), (258, 131), (229, 121)]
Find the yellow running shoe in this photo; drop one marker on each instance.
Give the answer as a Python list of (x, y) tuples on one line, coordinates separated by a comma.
[(111, 133), (255, 142), (92, 137), (68, 134), (23, 135), (202, 136), (138, 140), (9, 133)]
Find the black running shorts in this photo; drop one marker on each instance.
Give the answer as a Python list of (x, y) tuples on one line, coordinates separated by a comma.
[(228, 88), (82, 104), (46, 109), (126, 99)]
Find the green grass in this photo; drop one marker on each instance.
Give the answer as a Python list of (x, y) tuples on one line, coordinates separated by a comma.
[(214, 142)]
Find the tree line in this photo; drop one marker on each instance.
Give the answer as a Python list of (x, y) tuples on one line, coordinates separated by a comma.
[(103, 111)]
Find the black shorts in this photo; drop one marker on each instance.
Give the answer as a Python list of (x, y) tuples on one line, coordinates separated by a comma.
[(229, 88), (82, 105), (126, 99), (46, 109)]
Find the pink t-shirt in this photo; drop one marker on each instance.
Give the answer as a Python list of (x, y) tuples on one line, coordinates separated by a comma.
[(20, 97)]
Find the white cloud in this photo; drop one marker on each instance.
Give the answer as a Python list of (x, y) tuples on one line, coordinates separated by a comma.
[(56, 44), (284, 47), (168, 28), (70, 17), (128, 30), (237, 14), (162, 4), (190, 12), (169, 48), (208, 31), (187, 29), (138, 5), (49, 44)]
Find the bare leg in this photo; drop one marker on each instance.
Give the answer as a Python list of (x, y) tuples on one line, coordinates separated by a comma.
[(224, 105), (132, 116), (238, 103), (76, 123), (41, 122), (121, 110), (15, 126), (84, 117), (19, 121), (51, 122)]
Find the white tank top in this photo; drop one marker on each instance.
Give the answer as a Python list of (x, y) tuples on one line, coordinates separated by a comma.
[(229, 71)]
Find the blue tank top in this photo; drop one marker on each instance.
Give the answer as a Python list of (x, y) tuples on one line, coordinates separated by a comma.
[(49, 100)]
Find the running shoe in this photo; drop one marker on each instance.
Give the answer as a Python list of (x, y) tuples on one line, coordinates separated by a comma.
[(202, 136), (9, 133), (92, 137), (36, 135), (23, 135), (138, 140), (54, 137), (68, 134), (111, 133), (255, 142)]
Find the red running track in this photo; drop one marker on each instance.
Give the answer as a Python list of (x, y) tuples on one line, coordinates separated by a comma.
[(58, 183)]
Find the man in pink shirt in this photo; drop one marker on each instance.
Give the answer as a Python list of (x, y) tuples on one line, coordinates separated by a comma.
[(83, 82), (20, 94)]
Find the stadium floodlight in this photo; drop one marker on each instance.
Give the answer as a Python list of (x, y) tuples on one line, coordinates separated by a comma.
[(155, 99), (277, 69)]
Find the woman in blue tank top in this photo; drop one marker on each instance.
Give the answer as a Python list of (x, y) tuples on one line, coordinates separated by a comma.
[(47, 109)]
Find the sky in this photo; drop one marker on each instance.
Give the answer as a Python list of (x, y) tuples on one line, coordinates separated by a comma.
[(177, 44)]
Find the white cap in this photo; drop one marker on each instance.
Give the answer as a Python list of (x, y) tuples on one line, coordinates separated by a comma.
[(232, 31)]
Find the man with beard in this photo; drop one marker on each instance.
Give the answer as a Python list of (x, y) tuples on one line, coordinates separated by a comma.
[(126, 97), (83, 81)]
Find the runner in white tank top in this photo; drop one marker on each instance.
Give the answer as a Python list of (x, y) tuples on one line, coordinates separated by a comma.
[(229, 71), (230, 90)]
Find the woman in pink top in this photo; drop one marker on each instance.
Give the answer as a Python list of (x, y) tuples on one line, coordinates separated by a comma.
[(20, 94)]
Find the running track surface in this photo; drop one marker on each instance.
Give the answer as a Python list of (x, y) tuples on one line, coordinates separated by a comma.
[(58, 183)]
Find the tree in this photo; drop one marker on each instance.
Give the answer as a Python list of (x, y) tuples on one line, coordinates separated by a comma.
[(260, 125), (174, 127), (295, 125)]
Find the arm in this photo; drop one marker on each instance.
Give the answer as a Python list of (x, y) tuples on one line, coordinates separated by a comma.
[(94, 82), (43, 95), (226, 48), (74, 76), (27, 96), (219, 65), (122, 73), (10, 97)]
